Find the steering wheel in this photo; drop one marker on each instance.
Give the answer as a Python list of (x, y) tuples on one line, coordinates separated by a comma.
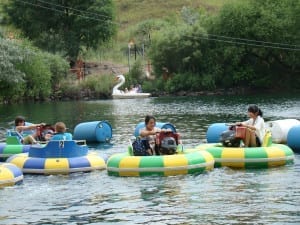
[(41, 131)]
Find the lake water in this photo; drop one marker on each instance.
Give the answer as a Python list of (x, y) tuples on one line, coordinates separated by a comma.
[(221, 196)]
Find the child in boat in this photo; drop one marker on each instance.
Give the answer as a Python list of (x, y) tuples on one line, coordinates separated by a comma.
[(255, 127), (149, 133), (20, 127), (60, 133)]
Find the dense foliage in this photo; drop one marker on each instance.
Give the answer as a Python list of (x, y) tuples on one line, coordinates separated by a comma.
[(64, 27), (248, 44), (27, 73), (92, 87)]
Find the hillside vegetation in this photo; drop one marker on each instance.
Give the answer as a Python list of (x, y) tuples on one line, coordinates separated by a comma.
[(168, 46), (131, 12), (206, 45)]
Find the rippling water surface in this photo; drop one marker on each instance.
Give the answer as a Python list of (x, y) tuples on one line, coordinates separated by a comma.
[(221, 196)]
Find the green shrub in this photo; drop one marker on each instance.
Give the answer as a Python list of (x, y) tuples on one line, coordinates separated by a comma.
[(58, 66), (38, 77), (68, 88), (136, 74), (100, 84), (12, 56), (28, 73)]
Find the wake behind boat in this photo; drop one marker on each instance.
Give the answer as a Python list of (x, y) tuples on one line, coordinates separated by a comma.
[(119, 94)]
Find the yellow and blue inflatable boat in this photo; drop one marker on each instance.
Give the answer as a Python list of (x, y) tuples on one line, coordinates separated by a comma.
[(10, 175), (58, 157)]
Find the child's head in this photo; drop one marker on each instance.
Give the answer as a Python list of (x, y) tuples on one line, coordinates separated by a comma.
[(18, 120), (60, 127), (150, 122), (255, 110)]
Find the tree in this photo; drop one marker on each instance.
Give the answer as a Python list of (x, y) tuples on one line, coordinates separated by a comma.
[(178, 49), (143, 31), (27, 72), (11, 57), (256, 41), (247, 44), (61, 26)]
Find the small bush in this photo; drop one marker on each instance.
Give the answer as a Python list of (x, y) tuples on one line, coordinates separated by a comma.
[(101, 85), (69, 89)]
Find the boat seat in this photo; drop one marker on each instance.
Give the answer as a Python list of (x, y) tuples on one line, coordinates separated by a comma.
[(267, 140), (13, 138)]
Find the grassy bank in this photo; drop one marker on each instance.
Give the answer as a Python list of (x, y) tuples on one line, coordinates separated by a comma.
[(129, 13)]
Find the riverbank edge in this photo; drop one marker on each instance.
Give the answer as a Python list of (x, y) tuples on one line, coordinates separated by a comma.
[(218, 92), (87, 95)]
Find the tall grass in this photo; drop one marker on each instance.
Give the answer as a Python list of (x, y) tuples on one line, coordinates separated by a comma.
[(131, 12)]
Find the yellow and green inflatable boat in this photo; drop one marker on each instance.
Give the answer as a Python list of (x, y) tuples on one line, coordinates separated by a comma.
[(125, 164), (251, 157)]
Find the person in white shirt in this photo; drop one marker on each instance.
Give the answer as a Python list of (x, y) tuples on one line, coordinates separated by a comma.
[(255, 131)]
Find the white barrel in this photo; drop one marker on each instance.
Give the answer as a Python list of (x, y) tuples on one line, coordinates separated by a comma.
[(280, 129)]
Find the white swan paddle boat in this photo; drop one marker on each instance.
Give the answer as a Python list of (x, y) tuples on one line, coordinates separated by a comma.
[(118, 94)]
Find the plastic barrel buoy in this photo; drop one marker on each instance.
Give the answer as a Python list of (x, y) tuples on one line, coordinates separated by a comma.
[(95, 131), (214, 131), (293, 138), (280, 129), (161, 125)]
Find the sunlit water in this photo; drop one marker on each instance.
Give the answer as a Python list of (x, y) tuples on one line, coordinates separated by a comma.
[(221, 196)]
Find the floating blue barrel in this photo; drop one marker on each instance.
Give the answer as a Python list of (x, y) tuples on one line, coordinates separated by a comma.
[(161, 125), (95, 131), (293, 138), (214, 131)]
